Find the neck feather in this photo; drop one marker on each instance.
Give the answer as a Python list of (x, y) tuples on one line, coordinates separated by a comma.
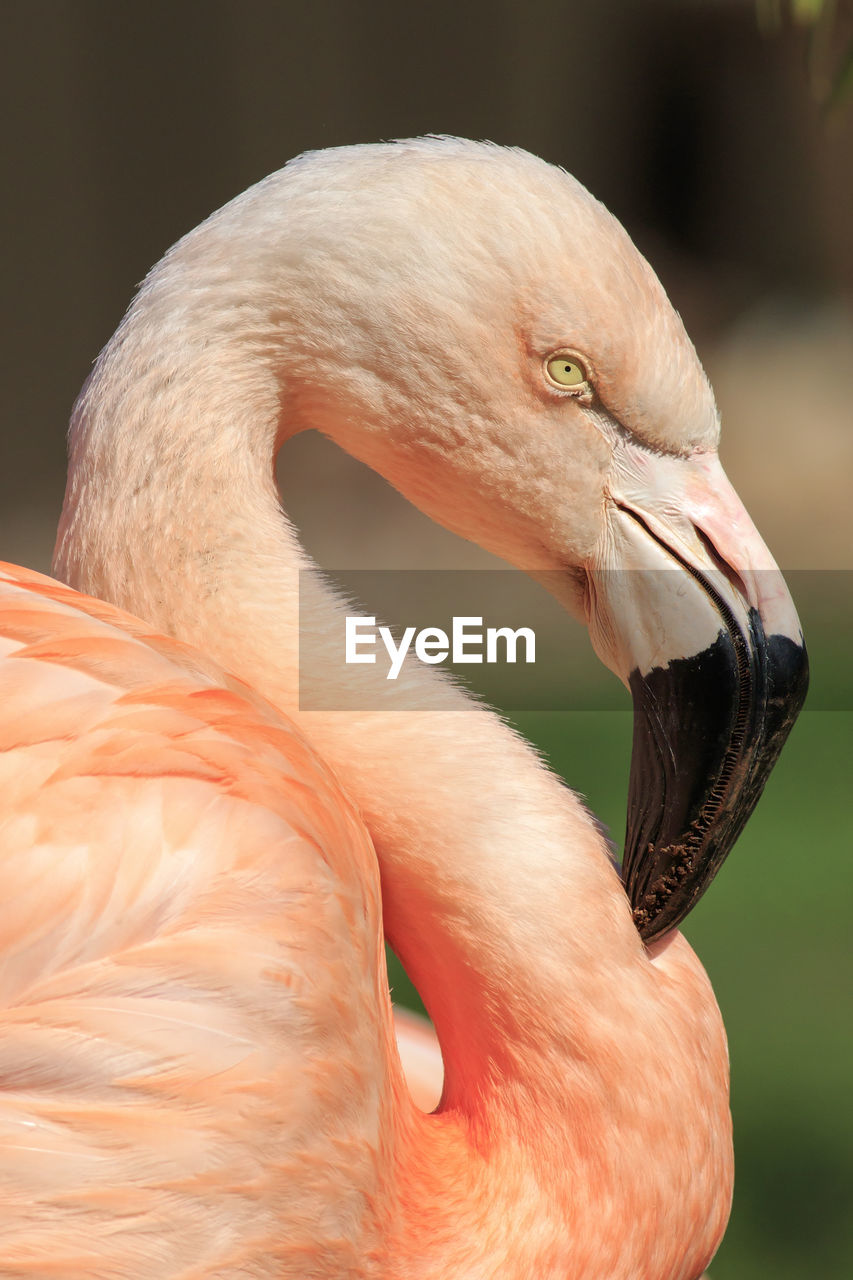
[(498, 892), (490, 867)]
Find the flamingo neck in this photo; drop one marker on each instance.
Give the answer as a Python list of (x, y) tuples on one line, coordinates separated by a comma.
[(492, 872), (498, 892), (495, 879)]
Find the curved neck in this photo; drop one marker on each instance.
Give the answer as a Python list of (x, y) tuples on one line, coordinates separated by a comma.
[(498, 893), (483, 853), (490, 868)]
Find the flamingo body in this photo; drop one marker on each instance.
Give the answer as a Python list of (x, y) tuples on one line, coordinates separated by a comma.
[(201, 1072)]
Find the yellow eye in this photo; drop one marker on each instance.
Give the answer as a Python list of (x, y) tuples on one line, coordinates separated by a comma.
[(566, 371)]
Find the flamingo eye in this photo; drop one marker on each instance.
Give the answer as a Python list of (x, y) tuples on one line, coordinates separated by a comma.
[(566, 370)]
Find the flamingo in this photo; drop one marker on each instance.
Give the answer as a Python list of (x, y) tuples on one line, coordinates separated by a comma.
[(201, 1077)]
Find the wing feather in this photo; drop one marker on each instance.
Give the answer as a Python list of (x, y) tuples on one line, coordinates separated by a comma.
[(195, 1037)]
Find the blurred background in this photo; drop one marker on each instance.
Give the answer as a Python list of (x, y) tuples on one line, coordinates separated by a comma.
[(701, 127)]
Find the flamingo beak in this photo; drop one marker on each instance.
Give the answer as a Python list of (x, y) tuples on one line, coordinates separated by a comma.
[(696, 619)]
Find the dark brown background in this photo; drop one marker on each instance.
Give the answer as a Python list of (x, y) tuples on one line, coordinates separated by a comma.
[(124, 124)]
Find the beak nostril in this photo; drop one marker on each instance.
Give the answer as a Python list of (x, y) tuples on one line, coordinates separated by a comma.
[(728, 571)]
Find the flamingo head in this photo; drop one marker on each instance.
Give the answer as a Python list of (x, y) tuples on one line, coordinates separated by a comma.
[(474, 325)]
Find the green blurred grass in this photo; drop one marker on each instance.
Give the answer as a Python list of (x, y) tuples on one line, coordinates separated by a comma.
[(774, 933)]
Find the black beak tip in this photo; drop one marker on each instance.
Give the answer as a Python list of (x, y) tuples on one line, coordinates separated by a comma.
[(707, 731), (788, 666)]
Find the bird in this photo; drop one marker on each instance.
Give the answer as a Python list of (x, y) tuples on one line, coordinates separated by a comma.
[(201, 1074)]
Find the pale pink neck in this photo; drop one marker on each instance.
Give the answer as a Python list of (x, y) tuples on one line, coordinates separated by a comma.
[(494, 877), (497, 888)]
